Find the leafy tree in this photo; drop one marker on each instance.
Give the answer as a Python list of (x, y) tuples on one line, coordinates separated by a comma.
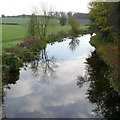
[(74, 24), (3, 16), (102, 20), (57, 14), (69, 14), (62, 14), (63, 20), (33, 28), (80, 15)]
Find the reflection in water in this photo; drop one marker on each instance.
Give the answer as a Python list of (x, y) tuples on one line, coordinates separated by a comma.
[(35, 95), (10, 77), (45, 68), (74, 43), (100, 93)]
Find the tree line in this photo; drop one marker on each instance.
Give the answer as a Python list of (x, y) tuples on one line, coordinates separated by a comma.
[(104, 18), (55, 14)]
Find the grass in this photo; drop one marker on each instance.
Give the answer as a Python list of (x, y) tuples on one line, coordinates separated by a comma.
[(22, 21), (108, 51), (14, 34)]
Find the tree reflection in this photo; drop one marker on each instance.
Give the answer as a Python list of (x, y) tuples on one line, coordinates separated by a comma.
[(10, 77), (45, 67), (100, 92), (74, 43)]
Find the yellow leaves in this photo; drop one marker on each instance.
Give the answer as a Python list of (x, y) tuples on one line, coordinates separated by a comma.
[(99, 16)]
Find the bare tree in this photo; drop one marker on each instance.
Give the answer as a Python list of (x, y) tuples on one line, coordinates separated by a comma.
[(40, 20)]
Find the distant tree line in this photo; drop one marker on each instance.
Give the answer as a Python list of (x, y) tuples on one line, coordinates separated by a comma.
[(17, 16), (55, 14), (9, 23)]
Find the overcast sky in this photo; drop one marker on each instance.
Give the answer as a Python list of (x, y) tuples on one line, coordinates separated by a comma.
[(17, 7)]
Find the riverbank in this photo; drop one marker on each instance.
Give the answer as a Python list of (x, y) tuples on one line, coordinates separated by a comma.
[(29, 49), (109, 53), (14, 34)]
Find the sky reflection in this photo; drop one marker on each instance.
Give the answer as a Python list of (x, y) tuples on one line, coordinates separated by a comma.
[(35, 97)]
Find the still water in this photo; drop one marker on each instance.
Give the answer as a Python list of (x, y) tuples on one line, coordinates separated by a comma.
[(69, 81)]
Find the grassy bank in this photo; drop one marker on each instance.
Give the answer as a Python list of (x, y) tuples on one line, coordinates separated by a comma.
[(14, 34), (30, 47), (109, 53), (19, 47)]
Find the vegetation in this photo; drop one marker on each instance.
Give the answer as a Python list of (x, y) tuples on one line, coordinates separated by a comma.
[(55, 14), (14, 34), (33, 27), (101, 21), (30, 47), (21, 21), (104, 22), (63, 20), (100, 91), (30, 39), (74, 24)]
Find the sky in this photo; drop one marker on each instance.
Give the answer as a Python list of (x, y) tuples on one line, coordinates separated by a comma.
[(18, 7)]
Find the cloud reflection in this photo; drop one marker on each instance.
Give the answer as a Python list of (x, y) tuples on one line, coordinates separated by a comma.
[(33, 97)]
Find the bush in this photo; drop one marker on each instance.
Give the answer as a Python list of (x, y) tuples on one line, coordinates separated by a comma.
[(11, 61), (63, 20), (62, 33), (31, 42), (74, 24)]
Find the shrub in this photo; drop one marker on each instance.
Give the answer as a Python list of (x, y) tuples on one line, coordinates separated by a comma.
[(11, 61), (31, 42), (62, 33), (63, 20), (74, 24)]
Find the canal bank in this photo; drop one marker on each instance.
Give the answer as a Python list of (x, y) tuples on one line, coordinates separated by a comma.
[(110, 54), (68, 81)]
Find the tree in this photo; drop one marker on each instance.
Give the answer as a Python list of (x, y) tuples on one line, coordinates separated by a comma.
[(74, 24), (69, 14), (62, 13), (39, 21), (46, 15), (80, 15), (57, 14), (3, 16), (33, 28), (102, 20), (63, 20)]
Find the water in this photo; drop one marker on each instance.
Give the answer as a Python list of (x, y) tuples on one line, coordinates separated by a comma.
[(67, 82)]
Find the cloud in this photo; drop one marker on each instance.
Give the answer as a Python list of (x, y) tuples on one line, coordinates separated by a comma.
[(59, 97)]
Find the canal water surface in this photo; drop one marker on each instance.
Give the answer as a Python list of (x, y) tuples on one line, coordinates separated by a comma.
[(69, 81)]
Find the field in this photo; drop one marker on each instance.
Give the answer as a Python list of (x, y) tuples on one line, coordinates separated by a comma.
[(14, 34), (22, 21)]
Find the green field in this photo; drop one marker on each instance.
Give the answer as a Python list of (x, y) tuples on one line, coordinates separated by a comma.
[(22, 21), (14, 34)]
